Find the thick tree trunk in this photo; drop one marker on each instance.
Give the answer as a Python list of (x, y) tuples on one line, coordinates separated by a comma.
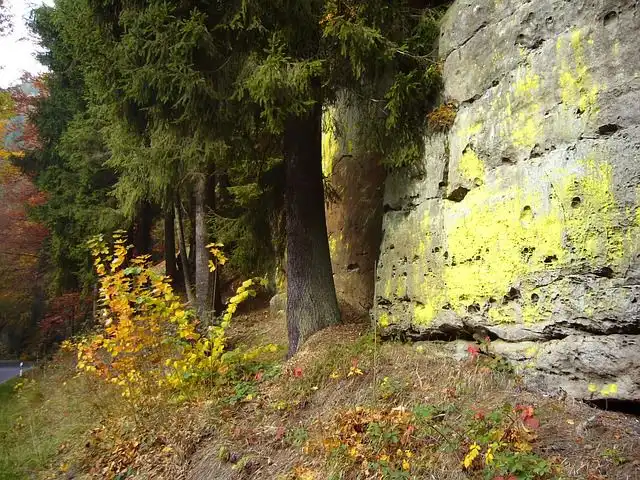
[(183, 256), (170, 245), (142, 234), (202, 255), (311, 296)]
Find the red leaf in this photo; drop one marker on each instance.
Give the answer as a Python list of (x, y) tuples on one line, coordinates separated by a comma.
[(532, 422), (297, 372), (473, 350), (258, 376), (280, 433)]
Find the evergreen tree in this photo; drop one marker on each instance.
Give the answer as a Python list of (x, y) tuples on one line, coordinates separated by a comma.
[(190, 93), (305, 54), (69, 160)]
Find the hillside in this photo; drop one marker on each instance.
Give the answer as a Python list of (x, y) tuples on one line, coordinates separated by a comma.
[(343, 407)]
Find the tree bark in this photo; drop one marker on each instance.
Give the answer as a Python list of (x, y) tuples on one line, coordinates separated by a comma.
[(202, 255), (170, 267), (311, 296), (142, 231), (214, 297), (183, 256)]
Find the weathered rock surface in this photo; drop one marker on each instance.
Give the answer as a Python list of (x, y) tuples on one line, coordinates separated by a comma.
[(354, 211), (523, 222)]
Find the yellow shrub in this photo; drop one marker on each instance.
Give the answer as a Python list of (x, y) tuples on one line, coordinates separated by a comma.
[(148, 340)]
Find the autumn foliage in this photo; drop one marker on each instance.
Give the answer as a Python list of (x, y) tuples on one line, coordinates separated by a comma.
[(149, 342), (22, 237)]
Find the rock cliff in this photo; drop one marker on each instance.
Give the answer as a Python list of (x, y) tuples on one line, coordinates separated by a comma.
[(522, 222)]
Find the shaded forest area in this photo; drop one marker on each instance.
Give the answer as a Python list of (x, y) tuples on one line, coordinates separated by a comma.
[(190, 123)]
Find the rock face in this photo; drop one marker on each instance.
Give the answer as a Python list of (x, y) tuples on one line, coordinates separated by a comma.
[(355, 185), (522, 223)]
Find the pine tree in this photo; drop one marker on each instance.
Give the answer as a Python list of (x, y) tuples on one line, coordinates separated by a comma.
[(68, 158), (189, 90), (377, 54)]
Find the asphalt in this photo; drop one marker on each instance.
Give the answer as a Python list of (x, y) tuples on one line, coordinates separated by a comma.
[(8, 370)]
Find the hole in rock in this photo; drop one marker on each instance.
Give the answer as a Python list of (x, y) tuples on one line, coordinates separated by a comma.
[(388, 208), (610, 17), (550, 259), (527, 252), (549, 21), (436, 249), (534, 298), (446, 255), (512, 294), (527, 213), (575, 202), (352, 267), (605, 272), (635, 300), (473, 308), (458, 194), (492, 300), (612, 405), (507, 161), (608, 129), (392, 246)]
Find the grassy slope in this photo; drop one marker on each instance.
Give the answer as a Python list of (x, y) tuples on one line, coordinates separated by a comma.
[(299, 419)]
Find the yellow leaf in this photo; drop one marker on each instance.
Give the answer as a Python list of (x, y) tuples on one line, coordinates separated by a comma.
[(488, 458), (474, 451)]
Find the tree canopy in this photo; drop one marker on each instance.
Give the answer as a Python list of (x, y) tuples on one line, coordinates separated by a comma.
[(206, 118)]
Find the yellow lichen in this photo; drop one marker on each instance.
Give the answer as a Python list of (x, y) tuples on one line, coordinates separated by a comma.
[(472, 167), (499, 237), (524, 128), (424, 314), (577, 89), (330, 146)]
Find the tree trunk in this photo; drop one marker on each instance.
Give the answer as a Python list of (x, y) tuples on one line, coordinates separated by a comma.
[(214, 298), (142, 230), (170, 245), (183, 256), (311, 296), (202, 255)]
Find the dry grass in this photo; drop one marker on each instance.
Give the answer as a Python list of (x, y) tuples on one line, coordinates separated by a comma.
[(278, 432), (583, 442)]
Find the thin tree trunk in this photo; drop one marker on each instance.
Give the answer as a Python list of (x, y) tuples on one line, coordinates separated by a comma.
[(311, 296), (214, 298), (202, 255), (170, 267), (183, 256)]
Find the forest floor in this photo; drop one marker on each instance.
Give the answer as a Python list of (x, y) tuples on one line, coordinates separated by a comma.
[(346, 406)]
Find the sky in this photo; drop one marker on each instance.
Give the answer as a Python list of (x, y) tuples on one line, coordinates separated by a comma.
[(17, 49)]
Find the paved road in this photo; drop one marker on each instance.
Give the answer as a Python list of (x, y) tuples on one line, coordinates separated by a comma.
[(9, 370)]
